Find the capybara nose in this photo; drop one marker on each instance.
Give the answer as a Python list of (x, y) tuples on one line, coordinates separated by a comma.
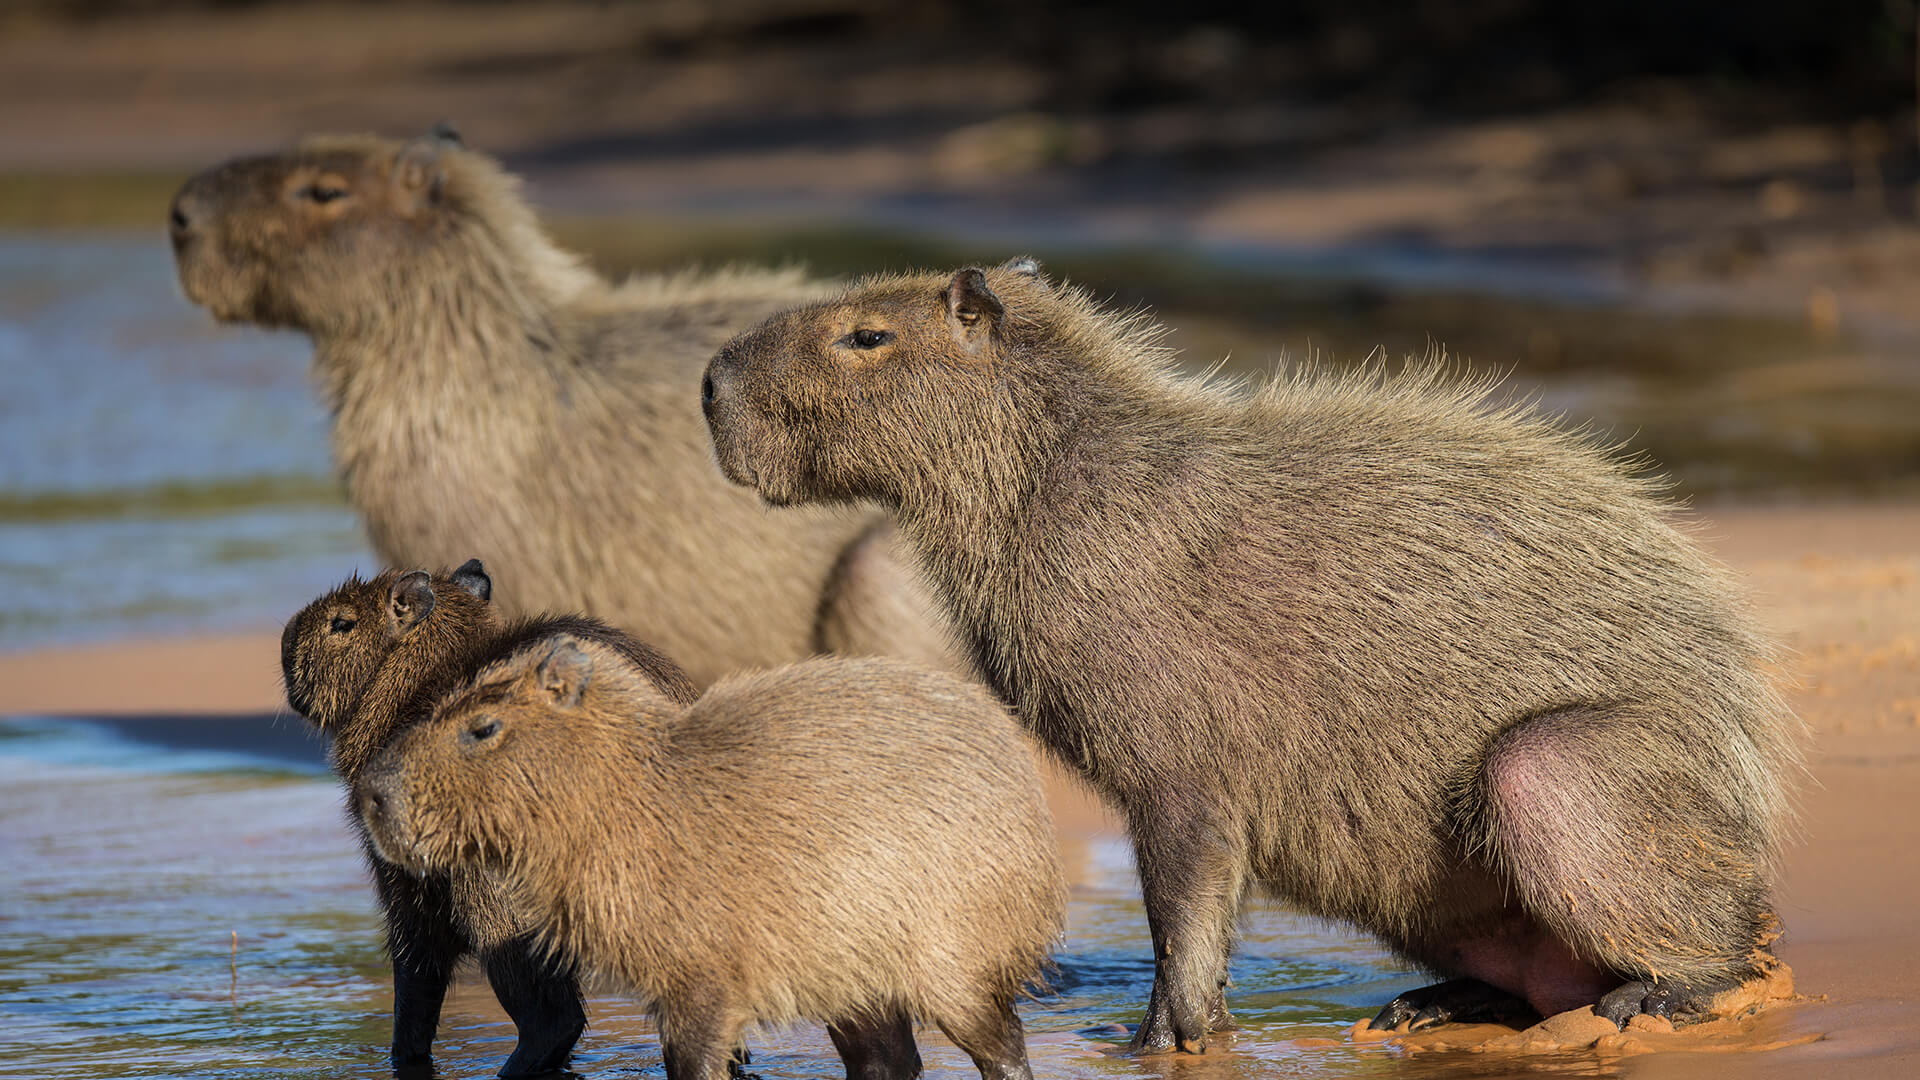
[(706, 393)]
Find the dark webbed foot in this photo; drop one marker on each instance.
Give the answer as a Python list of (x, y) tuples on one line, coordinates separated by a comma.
[(1464, 1001), (1677, 1001)]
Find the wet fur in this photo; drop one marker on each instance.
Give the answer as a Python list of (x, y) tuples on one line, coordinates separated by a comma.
[(1367, 642), (857, 843), (491, 395)]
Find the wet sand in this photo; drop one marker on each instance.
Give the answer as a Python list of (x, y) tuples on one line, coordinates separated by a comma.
[(1840, 584)]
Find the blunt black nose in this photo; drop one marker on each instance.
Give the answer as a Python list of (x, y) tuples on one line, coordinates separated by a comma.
[(181, 215)]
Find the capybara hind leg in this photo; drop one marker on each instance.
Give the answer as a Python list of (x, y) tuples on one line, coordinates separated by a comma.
[(1670, 998), (875, 604), (1624, 840), (543, 998), (1453, 1001), (699, 1037), (877, 1046), (1192, 881), (993, 1038)]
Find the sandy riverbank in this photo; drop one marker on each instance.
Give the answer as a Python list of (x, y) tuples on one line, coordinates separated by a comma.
[(1841, 585)]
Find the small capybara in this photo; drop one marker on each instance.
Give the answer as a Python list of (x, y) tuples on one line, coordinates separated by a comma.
[(554, 412), (1400, 657), (353, 660), (861, 843)]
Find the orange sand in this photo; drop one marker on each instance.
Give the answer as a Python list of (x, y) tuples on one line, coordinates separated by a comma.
[(1840, 584)]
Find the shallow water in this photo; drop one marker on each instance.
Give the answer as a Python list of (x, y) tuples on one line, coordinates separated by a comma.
[(175, 910)]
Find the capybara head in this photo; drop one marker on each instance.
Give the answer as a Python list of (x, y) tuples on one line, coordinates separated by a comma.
[(505, 756), (837, 400), (340, 229), (331, 650)]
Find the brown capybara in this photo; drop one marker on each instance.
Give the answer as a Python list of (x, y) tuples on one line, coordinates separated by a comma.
[(353, 659), (1399, 657), (861, 843), (554, 414)]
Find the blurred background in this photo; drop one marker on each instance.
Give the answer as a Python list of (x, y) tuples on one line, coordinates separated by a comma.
[(1689, 223)]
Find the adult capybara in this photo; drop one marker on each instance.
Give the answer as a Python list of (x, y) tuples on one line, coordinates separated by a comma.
[(352, 660), (1397, 656), (492, 395), (860, 843)]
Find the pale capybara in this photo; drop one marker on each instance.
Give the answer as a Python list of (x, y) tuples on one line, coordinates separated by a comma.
[(491, 395), (860, 843), (352, 660), (1398, 656)]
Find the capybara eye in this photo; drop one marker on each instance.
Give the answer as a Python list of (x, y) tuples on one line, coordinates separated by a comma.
[(484, 731), (322, 193), (341, 624), (869, 339)]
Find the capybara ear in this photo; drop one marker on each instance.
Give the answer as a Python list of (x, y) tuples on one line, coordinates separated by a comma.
[(418, 172), (410, 600), (1025, 266), (445, 132), (972, 309), (565, 672), (472, 576)]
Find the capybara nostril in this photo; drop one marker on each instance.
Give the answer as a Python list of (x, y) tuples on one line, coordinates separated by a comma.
[(706, 392)]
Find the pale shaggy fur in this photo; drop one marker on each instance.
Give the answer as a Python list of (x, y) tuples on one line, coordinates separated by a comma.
[(834, 839), (1365, 642), (492, 396)]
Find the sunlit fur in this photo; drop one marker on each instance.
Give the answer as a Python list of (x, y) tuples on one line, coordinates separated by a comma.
[(1370, 642), (830, 839), (492, 396)]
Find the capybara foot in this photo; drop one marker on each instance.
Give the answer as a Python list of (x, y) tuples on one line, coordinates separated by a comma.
[(1462, 1001), (1680, 1002), (1160, 1031), (1218, 1017)]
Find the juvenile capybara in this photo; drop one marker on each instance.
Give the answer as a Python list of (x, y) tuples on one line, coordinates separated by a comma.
[(353, 660), (491, 395), (1398, 656), (860, 843)]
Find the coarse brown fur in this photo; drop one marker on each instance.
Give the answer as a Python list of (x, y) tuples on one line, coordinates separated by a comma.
[(1365, 642), (355, 661), (855, 842), (493, 396)]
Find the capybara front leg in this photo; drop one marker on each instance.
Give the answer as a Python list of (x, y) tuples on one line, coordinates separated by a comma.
[(877, 1046), (1191, 881), (424, 948), (700, 1038), (543, 998), (1454, 1001), (993, 1038)]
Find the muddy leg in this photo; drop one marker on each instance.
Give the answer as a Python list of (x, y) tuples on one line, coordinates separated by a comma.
[(877, 1047), (1192, 880), (993, 1038), (1678, 1001), (1456, 1000), (543, 998)]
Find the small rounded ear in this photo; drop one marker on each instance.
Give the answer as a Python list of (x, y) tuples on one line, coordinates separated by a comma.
[(564, 672), (472, 576), (410, 600), (444, 132), (1025, 266), (418, 172), (972, 309)]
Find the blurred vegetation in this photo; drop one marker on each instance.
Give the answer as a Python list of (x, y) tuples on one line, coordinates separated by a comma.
[(1838, 56)]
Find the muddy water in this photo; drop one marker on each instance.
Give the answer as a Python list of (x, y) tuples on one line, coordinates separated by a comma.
[(175, 907)]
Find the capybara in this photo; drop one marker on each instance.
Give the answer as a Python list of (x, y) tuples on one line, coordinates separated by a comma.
[(491, 395), (1397, 655), (353, 659), (861, 843)]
